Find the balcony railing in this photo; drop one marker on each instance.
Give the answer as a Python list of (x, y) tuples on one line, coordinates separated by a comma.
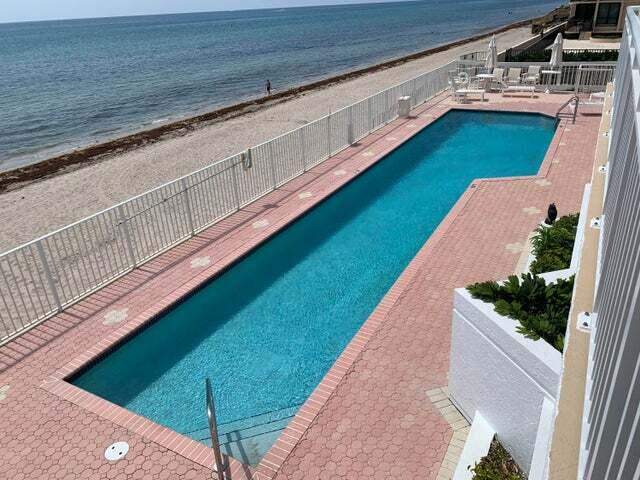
[(611, 437)]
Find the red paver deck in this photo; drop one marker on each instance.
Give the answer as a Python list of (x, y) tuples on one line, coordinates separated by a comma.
[(370, 417)]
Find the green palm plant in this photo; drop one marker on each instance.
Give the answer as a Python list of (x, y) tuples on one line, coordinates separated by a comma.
[(497, 465), (541, 309), (553, 245)]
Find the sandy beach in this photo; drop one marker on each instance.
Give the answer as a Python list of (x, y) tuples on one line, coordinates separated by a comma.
[(42, 206)]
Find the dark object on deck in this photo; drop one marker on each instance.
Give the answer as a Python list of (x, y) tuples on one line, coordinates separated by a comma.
[(552, 214)]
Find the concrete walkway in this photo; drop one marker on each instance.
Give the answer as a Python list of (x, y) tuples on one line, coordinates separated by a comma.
[(371, 417)]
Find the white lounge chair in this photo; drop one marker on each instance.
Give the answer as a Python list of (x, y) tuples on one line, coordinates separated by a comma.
[(460, 94), (498, 73), (514, 76), (512, 89), (532, 77), (596, 99)]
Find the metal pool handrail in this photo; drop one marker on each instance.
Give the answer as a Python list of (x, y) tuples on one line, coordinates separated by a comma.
[(218, 463), (576, 101)]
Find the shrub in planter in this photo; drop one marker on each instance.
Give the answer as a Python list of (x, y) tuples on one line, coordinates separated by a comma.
[(497, 465), (553, 245), (541, 309)]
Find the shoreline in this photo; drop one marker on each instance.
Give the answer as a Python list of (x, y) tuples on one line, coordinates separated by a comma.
[(22, 176)]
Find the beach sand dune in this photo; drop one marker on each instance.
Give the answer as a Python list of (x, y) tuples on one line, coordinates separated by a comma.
[(43, 206)]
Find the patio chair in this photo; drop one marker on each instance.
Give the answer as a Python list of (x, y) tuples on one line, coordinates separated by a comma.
[(596, 99), (532, 77), (461, 93), (510, 89), (461, 79), (514, 76), (498, 73)]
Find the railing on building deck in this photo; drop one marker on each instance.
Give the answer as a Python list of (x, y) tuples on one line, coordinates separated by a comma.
[(611, 437), (574, 76), (568, 55), (44, 276)]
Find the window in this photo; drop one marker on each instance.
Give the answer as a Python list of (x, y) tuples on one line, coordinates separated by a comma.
[(608, 14), (585, 12)]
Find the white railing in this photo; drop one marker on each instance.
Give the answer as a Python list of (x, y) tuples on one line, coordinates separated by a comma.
[(578, 77), (44, 276), (611, 437)]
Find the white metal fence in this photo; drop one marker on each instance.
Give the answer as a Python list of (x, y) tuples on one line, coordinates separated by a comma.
[(574, 76), (46, 275), (611, 448)]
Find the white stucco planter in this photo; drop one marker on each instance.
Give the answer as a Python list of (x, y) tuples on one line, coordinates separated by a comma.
[(511, 381), (507, 378), (477, 446)]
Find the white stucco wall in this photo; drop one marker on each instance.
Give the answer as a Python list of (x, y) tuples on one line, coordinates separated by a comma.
[(502, 375)]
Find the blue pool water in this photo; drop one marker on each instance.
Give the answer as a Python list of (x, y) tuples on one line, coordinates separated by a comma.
[(268, 329)]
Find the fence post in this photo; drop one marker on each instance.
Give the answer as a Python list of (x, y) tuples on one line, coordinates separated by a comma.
[(350, 137), (272, 164), (328, 135), (303, 149), (236, 191), (369, 114), (127, 236), (48, 275), (187, 206)]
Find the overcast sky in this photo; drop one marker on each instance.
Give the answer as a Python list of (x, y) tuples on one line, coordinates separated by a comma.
[(25, 10)]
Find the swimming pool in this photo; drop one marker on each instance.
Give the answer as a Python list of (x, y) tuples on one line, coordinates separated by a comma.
[(268, 329)]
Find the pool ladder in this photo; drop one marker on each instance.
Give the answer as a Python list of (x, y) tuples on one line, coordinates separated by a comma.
[(219, 465)]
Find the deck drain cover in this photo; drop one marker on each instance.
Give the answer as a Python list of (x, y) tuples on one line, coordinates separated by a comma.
[(116, 452)]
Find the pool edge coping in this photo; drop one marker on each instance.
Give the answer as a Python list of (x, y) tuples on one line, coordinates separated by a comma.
[(308, 412)]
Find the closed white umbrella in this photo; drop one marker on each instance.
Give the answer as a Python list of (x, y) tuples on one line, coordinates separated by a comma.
[(556, 52), (492, 55)]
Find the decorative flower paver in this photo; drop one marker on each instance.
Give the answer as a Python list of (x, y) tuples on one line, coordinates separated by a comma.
[(260, 223), (543, 182), (515, 247), (115, 316), (200, 262), (531, 210), (371, 417)]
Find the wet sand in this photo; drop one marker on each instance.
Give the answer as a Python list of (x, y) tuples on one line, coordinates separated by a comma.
[(41, 198)]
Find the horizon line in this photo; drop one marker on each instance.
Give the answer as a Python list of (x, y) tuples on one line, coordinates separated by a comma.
[(354, 2)]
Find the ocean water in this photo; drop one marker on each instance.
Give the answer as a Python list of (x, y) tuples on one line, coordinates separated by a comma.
[(267, 330), (65, 84)]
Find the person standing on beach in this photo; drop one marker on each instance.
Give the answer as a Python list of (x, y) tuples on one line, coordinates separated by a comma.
[(268, 87)]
